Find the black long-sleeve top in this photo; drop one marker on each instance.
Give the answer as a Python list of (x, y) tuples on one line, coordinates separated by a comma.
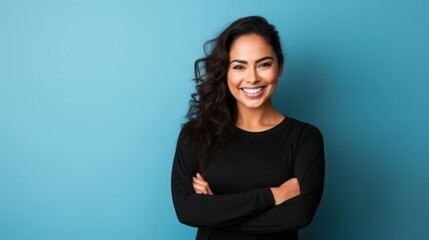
[(241, 175)]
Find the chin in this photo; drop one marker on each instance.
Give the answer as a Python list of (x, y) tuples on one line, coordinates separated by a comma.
[(252, 105)]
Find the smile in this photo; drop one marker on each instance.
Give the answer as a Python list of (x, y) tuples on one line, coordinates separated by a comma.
[(253, 92)]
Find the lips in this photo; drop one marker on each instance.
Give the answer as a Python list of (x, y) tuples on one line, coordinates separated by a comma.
[(253, 92)]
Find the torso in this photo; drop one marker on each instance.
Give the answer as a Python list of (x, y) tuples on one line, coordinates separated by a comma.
[(252, 160)]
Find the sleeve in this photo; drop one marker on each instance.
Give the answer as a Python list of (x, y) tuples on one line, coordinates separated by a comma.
[(297, 212), (199, 210)]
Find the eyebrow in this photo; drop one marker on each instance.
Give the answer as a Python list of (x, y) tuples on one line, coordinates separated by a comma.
[(257, 61)]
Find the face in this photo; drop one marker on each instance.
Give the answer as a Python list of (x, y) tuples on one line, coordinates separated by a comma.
[(253, 72)]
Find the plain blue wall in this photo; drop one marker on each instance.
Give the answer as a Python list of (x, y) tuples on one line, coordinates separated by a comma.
[(92, 95)]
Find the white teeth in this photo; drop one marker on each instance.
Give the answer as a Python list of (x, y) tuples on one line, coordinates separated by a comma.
[(252, 90)]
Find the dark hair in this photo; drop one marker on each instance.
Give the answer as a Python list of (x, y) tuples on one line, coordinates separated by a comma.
[(212, 111)]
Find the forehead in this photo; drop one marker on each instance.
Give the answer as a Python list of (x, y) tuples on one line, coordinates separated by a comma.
[(250, 47)]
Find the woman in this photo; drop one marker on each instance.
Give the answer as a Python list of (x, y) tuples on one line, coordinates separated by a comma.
[(242, 170)]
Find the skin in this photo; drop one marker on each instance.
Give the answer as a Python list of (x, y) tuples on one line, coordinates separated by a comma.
[(254, 64), (252, 79)]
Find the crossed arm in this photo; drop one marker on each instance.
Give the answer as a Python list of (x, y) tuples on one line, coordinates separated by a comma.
[(284, 192), (273, 209)]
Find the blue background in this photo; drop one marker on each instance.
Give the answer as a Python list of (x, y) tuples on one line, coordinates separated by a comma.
[(93, 93)]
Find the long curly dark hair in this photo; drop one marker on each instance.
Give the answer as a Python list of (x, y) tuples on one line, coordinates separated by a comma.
[(213, 112)]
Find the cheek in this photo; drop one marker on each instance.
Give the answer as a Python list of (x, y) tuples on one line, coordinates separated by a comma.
[(233, 81), (270, 77), (231, 87)]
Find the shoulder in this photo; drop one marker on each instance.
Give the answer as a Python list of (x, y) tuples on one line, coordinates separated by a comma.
[(299, 131), (189, 128), (184, 151), (185, 131), (301, 126), (186, 134)]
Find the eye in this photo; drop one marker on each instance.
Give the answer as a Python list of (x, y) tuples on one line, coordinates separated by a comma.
[(265, 65), (238, 67)]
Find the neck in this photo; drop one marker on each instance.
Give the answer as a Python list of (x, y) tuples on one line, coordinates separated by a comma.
[(258, 119)]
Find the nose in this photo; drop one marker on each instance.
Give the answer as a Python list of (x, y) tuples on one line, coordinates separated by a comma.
[(252, 76)]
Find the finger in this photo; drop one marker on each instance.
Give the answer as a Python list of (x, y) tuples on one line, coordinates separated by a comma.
[(205, 188), (209, 191), (199, 176), (199, 181), (199, 192), (199, 185), (199, 188)]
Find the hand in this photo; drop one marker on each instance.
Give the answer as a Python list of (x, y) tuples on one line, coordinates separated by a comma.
[(201, 186), (286, 191)]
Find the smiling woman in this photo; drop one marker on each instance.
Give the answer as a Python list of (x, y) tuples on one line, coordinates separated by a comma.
[(242, 170), (253, 72)]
